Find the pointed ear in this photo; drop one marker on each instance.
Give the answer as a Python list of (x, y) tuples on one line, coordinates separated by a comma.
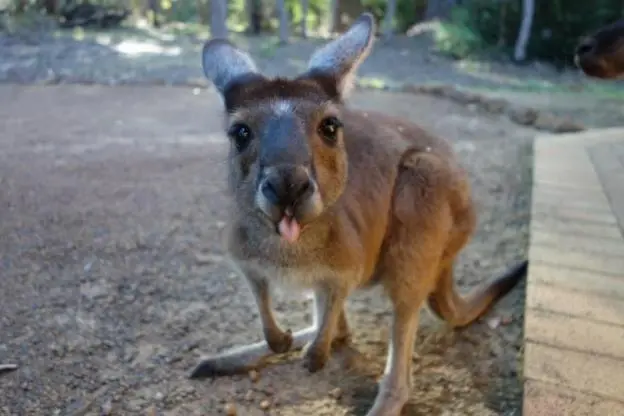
[(340, 58), (224, 63)]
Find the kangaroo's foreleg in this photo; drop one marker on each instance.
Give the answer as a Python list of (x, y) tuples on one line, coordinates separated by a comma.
[(343, 332), (278, 340), (329, 317), (244, 358)]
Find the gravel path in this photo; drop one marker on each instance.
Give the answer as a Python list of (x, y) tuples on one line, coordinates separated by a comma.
[(113, 284)]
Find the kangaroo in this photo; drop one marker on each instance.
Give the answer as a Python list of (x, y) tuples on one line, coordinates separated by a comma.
[(601, 55), (332, 200)]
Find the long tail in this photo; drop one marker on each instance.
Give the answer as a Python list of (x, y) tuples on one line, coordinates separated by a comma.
[(460, 311)]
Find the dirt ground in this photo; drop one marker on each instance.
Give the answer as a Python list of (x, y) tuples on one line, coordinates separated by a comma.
[(112, 284)]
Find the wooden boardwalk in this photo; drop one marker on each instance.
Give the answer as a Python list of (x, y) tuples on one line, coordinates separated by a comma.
[(574, 325)]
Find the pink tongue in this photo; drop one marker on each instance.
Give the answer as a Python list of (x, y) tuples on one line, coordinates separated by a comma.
[(289, 229)]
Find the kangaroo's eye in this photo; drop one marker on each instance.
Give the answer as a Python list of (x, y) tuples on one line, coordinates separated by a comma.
[(328, 129), (241, 134)]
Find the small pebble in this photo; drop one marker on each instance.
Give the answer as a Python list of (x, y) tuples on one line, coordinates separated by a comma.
[(265, 404), (506, 320), (230, 409), (6, 368), (254, 376), (208, 258), (335, 393), (493, 323), (249, 395), (107, 408)]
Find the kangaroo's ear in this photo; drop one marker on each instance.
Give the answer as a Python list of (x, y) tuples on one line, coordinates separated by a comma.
[(223, 63), (340, 58)]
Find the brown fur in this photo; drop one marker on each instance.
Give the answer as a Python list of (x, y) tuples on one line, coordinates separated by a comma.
[(601, 55), (395, 210)]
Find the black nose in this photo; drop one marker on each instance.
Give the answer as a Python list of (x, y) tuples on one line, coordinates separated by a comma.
[(586, 46), (286, 186)]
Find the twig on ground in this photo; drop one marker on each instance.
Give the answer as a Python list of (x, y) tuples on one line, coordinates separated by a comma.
[(7, 368)]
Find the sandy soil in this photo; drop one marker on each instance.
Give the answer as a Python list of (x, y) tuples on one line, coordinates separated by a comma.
[(113, 285)]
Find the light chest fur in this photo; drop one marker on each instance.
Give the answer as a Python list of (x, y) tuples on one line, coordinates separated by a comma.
[(302, 266)]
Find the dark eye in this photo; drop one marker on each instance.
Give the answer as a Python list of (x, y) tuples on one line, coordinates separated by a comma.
[(328, 129), (241, 134)]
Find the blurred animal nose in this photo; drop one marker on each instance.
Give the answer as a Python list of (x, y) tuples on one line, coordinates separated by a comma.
[(586, 46), (285, 186)]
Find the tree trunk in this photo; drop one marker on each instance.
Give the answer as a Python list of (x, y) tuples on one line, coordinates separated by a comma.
[(389, 18), (144, 9), (528, 9), (154, 8), (218, 16), (20, 7), (202, 12), (502, 19), (334, 16), (51, 7), (254, 8), (283, 21), (305, 5), (439, 9)]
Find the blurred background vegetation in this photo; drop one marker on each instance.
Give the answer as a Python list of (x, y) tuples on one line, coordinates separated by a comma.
[(462, 27)]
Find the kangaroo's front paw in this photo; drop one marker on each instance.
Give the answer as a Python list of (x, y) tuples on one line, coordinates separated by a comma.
[(207, 368), (218, 366), (315, 357), (279, 342), (390, 400)]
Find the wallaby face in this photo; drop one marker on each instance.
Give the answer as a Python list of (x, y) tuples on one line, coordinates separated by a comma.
[(601, 55), (287, 156), (335, 199)]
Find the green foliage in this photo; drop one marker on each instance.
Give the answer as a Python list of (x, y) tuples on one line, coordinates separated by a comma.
[(317, 13), (24, 16), (457, 37), (408, 12), (189, 11), (22, 6), (557, 24), (181, 11), (474, 27)]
